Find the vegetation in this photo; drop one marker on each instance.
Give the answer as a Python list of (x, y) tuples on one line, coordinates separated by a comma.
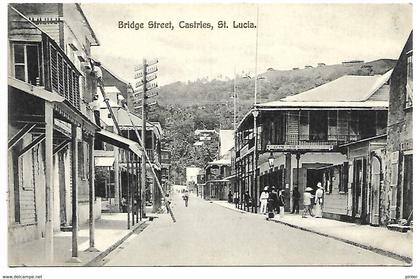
[(205, 104)]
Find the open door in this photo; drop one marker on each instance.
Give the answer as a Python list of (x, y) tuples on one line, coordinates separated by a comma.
[(375, 192)]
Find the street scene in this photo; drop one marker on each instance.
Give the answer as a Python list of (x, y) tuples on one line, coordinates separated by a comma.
[(189, 135)]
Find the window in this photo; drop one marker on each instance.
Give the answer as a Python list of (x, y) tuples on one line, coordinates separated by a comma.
[(26, 63), (318, 126), (409, 85), (344, 177)]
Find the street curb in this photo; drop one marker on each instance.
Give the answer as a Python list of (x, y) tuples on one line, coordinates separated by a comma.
[(233, 209), (360, 245), (96, 260)]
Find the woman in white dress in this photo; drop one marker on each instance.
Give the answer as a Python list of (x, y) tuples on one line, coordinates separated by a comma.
[(319, 200)]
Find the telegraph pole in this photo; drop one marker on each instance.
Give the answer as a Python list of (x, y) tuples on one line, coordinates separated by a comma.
[(146, 74)]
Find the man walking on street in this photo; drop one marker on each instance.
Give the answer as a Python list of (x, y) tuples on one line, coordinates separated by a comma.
[(186, 196), (296, 198)]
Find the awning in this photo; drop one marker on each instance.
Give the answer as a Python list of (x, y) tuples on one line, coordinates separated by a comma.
[(119, 141), (104, 161)]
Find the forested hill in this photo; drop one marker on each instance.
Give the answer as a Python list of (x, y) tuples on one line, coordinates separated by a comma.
[(204, 104), (274, 84)]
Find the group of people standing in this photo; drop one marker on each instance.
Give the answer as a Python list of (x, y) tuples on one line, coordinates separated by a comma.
[(272, 202)]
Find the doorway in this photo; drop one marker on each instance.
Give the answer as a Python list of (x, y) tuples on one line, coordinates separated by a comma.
[(360, 203), (407, 202)]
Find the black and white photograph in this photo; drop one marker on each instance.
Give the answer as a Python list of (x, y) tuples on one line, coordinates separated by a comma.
[(220, 134)]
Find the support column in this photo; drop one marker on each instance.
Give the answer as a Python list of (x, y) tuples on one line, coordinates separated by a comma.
[(49, 183), (288, 174), (91, 177), (138, 189), (117, 196), (132, 188), (255, 113), (127, 159), (74, 198)]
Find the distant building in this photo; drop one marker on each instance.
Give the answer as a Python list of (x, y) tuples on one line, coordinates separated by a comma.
[(294, 69), (308, 67), (270, 69), (217, 172), (352, 62), (321, 64)]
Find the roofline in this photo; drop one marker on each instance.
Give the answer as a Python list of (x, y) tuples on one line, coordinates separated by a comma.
[(88, 24), (57, 45), (114, 75)]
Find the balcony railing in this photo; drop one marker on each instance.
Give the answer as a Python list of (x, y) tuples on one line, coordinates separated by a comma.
[(317, 139)]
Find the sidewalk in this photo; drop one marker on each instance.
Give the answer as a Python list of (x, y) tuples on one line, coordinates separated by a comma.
[(377, 239), (110, 231)]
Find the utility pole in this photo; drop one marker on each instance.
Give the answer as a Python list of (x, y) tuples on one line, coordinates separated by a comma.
[(255, 113), (146, 74)]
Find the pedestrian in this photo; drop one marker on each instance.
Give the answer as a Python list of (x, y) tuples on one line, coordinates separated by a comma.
[(246, 200), (272, 203), (230, 197), (307, 196), (263, 200), (185, 197), (281, 203), (95, 105), (319, 200), (295, 198)]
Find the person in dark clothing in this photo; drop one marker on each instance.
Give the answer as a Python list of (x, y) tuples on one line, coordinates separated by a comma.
[(273, 201), (230, 197), (246, 200), (296, 198)]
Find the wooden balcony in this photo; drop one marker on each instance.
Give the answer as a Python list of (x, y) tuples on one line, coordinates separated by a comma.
[(39, 61)]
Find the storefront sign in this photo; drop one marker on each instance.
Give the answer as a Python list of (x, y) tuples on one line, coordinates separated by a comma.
[(289, 147)]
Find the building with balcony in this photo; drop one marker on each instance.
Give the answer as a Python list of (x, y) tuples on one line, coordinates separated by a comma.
[(166, 169), (129, 125), (51, 133), (218, 172), (307, 137)]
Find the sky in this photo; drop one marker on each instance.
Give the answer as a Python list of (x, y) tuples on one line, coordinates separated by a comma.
[(289, 35)]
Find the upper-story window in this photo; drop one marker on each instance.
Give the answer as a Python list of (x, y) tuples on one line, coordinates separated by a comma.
[(409, 85), (26, 63)]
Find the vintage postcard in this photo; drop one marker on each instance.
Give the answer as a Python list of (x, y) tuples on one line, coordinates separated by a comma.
[(210, 135)]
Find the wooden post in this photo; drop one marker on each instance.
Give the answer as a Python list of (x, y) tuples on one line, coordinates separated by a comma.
[(137, 187), (116, 179), (49, 182), (133, 181), (128, 189), (288, 173), (91, 177), (74, 192)]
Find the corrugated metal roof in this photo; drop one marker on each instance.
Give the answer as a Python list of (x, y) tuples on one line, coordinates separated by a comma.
[(303, 104), (348, 88)]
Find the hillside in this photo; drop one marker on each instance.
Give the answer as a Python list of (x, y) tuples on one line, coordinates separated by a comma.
[(274, 85)]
